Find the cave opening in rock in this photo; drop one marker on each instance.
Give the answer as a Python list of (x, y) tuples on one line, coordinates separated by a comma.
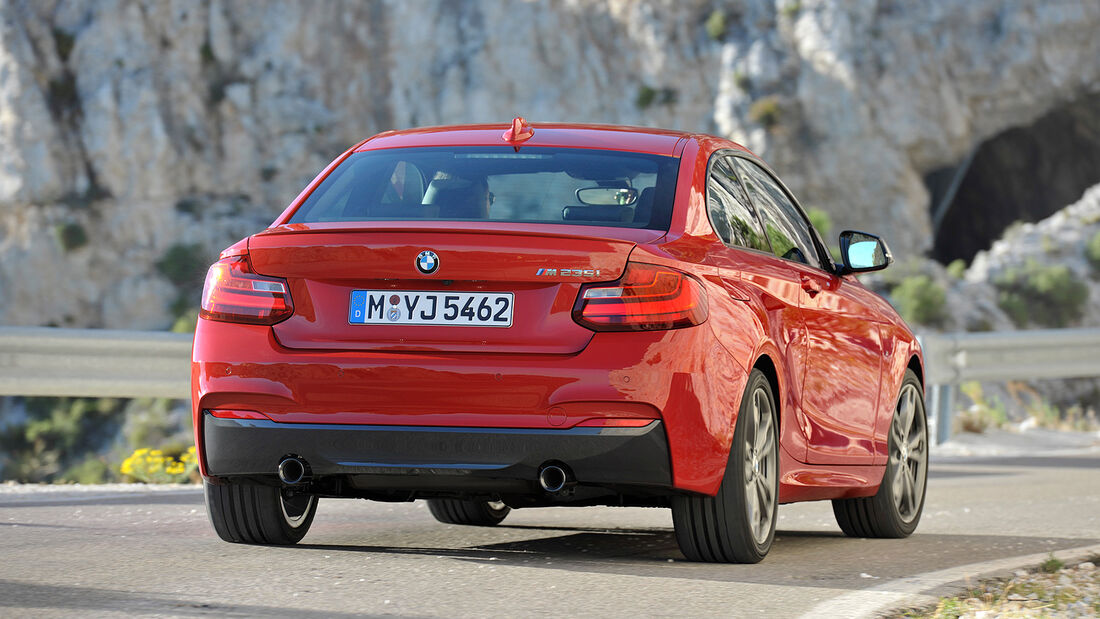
[(1022, 174)]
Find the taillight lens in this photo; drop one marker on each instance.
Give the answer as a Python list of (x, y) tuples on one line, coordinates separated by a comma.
[(233, 293), (647, 297)]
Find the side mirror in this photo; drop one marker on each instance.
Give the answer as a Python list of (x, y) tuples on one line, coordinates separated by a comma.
[(863, 252)]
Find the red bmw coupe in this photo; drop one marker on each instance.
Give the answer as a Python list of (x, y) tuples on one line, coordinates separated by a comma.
[(495, 317)]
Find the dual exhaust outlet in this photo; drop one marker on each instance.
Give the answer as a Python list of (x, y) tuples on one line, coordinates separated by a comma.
[(553, 478), (293, 470)]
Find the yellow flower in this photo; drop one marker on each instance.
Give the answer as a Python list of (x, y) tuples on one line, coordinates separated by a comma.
[(127, 467)]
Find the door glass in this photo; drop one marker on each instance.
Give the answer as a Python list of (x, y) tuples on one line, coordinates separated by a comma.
[(730, 213), (786, 229)]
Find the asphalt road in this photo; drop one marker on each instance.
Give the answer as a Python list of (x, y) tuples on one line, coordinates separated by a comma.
[(100, 552)]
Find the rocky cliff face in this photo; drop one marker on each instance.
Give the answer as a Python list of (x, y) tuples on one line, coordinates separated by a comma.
[(142, 133)]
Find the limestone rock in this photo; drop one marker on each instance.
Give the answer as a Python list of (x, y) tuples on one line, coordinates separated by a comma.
[(151, 123)]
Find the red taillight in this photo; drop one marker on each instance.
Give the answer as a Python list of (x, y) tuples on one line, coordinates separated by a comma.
[(647, 297), (233, 293)]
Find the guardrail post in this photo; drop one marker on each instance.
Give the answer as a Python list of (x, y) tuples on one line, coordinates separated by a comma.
[(942, 400)]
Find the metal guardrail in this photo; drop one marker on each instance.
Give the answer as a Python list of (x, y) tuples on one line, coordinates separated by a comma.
[(41, 361), (38, 361), (954, 358)]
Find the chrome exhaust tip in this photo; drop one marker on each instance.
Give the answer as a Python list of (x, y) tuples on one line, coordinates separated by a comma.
[(292, 470), (552, 478)]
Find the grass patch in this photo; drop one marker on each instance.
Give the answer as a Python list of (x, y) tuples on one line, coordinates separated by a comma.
[(1051, 564)]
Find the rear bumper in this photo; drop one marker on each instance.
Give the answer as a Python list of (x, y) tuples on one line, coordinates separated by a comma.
[(440, 458)]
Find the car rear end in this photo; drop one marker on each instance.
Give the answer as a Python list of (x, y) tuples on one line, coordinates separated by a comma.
[(448, 315)]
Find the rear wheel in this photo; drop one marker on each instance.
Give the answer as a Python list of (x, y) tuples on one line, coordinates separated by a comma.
[(473, 513), (738, 524), (253, 514), (896, 509)]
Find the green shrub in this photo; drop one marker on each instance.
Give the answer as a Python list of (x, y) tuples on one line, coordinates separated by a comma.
[(766, 111), (184, 265), (71, 235), (742, 80), (189, 206), (206, 55), (648, 96), (821, 220), (93, 470), (957, 268), (716, 25), (1092, 251), (55, 440), (1046, 295), (919, 299), (186, 321), (791, 9)]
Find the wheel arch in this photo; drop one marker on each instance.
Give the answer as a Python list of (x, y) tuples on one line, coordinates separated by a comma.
[(766, 366), (917, 367)]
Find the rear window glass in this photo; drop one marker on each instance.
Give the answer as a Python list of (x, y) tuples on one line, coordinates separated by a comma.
[(547, 185)]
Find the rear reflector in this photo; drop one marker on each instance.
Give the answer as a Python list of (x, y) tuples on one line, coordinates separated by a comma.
[(233, 293), (222, 413), (615, 423), (647, 297)]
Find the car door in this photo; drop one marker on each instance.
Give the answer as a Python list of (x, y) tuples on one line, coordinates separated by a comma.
[(763, 288), (843, 364)]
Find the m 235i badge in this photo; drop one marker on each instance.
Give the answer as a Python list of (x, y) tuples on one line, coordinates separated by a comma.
[(569, 272)]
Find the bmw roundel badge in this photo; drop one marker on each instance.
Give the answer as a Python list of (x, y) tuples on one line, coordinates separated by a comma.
[(427, 262)]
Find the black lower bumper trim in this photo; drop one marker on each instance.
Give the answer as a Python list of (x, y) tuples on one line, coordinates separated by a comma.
[(438, 456)]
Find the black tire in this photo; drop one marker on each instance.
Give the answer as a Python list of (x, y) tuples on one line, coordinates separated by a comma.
[(731, 527), (252, 514), (895, 510), (472, 513)]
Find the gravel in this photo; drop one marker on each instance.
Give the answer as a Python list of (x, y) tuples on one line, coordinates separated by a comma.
[(1071, 591)]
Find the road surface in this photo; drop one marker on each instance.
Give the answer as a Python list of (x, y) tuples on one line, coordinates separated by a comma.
[(103, 552)]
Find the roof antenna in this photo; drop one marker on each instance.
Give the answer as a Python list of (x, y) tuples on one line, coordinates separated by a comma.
[(518, 133)]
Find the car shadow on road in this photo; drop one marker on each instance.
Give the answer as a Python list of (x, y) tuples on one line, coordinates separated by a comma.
[(799, 558)]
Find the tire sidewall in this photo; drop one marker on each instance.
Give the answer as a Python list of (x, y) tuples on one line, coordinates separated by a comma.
[(884, 496), (733, 484)]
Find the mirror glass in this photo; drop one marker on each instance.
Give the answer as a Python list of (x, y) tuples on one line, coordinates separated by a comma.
[(864, 252), (861, 255), (607, 196)]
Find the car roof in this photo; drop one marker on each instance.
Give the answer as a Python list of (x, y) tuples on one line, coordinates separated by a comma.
[(605, 137)]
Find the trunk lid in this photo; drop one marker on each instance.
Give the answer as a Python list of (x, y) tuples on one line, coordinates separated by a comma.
[(541, 267)]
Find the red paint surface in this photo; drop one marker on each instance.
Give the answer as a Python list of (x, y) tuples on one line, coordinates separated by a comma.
[(838, 354)]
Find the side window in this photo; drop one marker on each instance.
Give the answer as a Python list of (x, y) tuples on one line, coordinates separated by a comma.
[(786, 229), (730, 213)]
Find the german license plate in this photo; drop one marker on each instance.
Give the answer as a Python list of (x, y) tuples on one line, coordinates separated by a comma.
[(410, 307)]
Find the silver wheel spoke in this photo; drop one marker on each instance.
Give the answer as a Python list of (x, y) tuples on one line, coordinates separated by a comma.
[(908, 451), (760, 467)]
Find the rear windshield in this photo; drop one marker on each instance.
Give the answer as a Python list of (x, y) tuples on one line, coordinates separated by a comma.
[(547, 185)]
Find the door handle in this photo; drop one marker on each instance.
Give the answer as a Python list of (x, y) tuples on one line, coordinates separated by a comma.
[(810, 286)]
